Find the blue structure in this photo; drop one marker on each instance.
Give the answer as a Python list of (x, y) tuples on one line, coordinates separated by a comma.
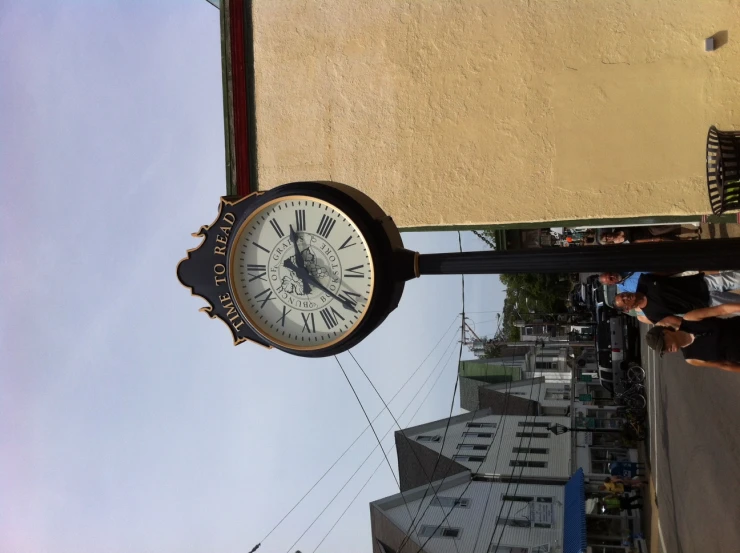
[(574, 525), (624, 469)]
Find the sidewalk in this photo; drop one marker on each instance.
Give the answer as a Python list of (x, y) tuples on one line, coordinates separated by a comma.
[(650, 512), (650, 509)]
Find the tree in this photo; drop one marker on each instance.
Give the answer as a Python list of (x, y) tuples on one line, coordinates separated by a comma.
[(531, 297), (492, 349), (528, 296)]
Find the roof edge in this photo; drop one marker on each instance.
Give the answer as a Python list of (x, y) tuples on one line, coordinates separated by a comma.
[(416, 493), (440, 422)]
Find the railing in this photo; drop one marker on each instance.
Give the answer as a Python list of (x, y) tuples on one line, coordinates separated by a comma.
[(723, 171)]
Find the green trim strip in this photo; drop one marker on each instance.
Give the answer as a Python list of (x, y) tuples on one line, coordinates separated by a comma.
[(712, 219)]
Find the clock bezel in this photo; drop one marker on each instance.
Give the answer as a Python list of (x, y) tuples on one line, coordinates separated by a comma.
[(392, 264), (243, 225)]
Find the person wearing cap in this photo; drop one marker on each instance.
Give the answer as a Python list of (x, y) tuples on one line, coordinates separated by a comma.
[(659, 296), (625, 282), (702, 336)]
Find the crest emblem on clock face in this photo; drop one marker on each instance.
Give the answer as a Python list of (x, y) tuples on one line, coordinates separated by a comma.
[(301, 272), (309, 268)]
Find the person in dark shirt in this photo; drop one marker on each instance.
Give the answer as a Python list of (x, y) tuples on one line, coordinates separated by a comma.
[(704, 339), (637, 235), (659, 296)]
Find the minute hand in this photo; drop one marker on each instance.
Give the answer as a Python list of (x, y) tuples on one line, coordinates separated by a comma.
[(303, 273)]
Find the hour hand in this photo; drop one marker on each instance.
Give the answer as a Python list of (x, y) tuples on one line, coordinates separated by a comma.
[(299, 258), (298, 255), (301, 272), (346, 304)]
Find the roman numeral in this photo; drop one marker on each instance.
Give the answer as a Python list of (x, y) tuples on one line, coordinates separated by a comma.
[(300, 220), (257, 275), (329, 314), (281, 320), (277, 228), (306, 319), (268, 298), (353, 272), (350, 297), (325, 226), (347, 244), (260, 247)]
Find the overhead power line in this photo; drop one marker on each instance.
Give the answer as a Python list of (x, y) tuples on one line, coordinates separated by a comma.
[(421, 404), (449, 416), (331, 501), (502, 423), (521, 473), (413, 451), (341, 456)]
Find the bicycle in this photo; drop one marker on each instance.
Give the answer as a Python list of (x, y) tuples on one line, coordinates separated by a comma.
[(639, 429), (635, 374), (632, 397), (638, 415)]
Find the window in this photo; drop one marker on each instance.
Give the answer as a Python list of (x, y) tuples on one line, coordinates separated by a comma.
[(531, 514), (545, 365), (427, 438), (534, 424), (477, 435), (556, 393), (481, 425), (508, 549), (541, 548), (428, 531), (451, 502), (473, 447), (535, 450), (531, 464), (532, 435), (516, 522), (523, 498), (469, 458)]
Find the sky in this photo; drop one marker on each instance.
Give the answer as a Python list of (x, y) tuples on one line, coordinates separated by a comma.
[(128, 420)]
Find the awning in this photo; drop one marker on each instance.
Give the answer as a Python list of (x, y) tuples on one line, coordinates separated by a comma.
[(574, 525)]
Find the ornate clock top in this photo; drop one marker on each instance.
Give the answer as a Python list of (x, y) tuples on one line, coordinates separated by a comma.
[(308, 268)]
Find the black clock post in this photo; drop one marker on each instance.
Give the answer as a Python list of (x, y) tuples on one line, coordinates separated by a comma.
[(654, 257)]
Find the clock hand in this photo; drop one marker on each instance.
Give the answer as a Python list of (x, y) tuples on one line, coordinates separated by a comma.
[(294, 239), (346, 304), (299, 259)]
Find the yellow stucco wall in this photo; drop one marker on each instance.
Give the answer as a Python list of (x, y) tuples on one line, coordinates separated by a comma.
[(497, 111)]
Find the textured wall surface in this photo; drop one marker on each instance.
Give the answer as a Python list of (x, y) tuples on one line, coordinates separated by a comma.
[(497, 111)]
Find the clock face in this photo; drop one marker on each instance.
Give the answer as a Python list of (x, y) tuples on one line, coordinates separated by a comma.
[(301, 272)]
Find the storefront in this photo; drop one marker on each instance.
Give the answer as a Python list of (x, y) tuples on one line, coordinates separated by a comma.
[(610, 530), (603, 442)]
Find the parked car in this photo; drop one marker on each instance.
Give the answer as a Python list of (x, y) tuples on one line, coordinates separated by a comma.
[(617, 342)]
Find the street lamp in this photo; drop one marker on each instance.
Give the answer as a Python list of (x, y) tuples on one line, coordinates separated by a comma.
[(559, 429)]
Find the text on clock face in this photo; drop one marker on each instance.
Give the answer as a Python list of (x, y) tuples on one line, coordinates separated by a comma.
[(302, 271)]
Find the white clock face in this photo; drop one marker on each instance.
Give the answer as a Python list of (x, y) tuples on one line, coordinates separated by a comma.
[(302, 272)]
